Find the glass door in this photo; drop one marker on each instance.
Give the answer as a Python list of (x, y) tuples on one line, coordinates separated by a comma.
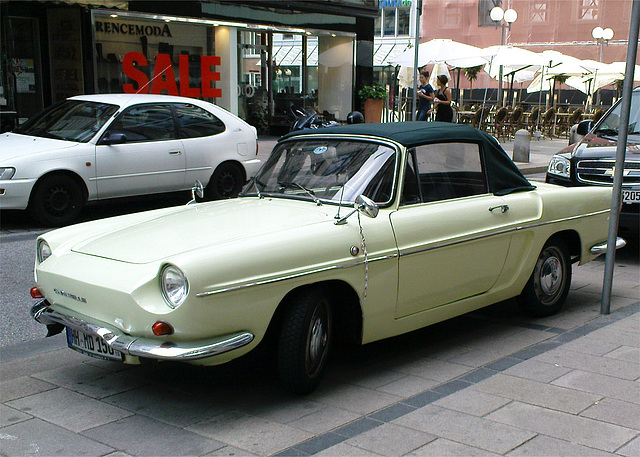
[(254, 71)]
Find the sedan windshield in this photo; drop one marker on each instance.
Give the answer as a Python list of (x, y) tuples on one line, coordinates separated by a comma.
[(328, 170), (71, 120)]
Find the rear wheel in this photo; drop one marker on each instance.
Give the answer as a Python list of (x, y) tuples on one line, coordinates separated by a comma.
[(226, 182), (56, 200), (305, 338), (548, 286)]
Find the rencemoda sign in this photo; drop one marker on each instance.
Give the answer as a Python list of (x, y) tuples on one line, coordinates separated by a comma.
[(133, 29)]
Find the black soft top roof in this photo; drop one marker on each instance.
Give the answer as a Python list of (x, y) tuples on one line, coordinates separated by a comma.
[(504, 175)]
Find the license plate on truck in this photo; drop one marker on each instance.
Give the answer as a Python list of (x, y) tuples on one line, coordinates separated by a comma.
[(631, 196), (91, 345)]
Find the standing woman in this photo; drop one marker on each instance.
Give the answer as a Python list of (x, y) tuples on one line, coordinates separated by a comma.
[(444, 112)]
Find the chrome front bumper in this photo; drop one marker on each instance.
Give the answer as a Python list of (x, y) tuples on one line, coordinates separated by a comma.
[(601, 248), (143, 347)]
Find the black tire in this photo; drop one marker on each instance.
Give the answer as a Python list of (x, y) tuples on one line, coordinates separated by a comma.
[(305, 339), (548, 286), (56, 200), (226, 182)]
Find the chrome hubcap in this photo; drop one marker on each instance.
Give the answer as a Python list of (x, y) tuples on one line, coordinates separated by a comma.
[(317, 339), (550, 278)]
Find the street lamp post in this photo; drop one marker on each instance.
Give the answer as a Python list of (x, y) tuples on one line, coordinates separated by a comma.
[(602, 37), (504, 19)]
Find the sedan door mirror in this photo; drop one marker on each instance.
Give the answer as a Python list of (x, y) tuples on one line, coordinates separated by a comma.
[(584, 127), (114, 138)]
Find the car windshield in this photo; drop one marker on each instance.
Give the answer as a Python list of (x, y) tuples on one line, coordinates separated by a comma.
[(328, 170), (610, 125), (71, 120)]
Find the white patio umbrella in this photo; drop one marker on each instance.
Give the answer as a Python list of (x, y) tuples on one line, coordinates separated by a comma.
[(517, 62), (440, 50), (556, 64)]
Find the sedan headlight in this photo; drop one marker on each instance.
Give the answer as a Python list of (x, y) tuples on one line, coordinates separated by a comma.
[(7, 173), (560, 166), (175, 286), (43, 251)]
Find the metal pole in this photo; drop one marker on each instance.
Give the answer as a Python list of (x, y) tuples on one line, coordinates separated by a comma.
[(500, 99), (601, 44), (632, 49), (415, 60)]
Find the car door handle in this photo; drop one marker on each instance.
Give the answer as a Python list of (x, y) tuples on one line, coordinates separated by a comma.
[(175, 153), (502, 208)]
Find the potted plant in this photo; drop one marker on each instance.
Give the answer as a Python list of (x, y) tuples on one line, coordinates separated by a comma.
[(373, 96)]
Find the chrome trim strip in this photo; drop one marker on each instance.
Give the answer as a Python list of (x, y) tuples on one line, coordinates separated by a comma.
[(601, 248), (495, 233), (291, 276), (144, 347)]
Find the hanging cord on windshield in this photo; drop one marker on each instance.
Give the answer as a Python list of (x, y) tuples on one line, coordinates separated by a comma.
[(363, 243)]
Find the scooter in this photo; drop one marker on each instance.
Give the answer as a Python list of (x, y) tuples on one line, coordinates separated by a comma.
[(308, 119)]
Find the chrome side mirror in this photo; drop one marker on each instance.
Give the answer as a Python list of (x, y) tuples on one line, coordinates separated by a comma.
[(197, 192), (366, 206), (363, 205)]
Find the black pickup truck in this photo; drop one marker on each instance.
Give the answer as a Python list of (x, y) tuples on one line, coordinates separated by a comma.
[(591, 161)]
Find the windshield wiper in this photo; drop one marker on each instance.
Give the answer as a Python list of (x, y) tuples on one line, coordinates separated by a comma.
[(606, 132), (295, 185)]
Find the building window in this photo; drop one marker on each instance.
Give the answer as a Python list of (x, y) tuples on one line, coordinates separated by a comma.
[(451, 17), (393, 22), (389, 21), (484, 10), (539, 12), (404, 20), (588, 10)]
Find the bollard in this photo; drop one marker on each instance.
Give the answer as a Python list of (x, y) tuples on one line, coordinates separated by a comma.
[(521, 146)]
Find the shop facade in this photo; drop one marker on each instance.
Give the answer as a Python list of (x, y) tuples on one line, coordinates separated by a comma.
[(299, 55)]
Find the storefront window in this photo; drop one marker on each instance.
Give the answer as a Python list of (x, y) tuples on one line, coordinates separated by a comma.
[(21, 83), (253, 74), (140, 54), (335, 76)]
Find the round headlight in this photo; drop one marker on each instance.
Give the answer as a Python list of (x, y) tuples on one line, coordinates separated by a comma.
[(175, 286), (43, 251)]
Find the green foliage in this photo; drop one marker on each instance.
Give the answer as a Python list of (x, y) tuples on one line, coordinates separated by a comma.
[(375, 91), (472, 73)]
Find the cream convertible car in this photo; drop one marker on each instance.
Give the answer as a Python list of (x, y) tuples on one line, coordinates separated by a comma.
[(364, 231)]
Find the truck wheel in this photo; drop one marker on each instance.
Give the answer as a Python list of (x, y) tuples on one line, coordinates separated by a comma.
[(548, 286), (56, 201), (305, 338), (226, 182)]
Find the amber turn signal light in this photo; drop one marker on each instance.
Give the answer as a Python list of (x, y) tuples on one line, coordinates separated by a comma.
[(162, 328), (35, 293)]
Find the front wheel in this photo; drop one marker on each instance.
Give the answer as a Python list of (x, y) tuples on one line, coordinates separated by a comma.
[(226, 182), (548, 286), (305, 338), (56, 201)]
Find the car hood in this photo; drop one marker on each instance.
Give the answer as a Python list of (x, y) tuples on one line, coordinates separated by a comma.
[(603, 147), (13, 145), (201, 226)]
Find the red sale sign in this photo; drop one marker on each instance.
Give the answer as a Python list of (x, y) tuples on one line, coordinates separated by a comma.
[(164, 76)]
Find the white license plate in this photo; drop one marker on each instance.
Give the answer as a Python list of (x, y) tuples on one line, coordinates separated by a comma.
[(91, 345), (631, 196)]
